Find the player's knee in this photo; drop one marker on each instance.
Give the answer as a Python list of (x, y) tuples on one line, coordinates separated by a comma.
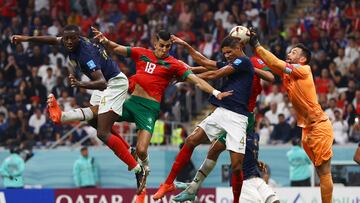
[(102, 136), (192, 141), (236, 166), (141, 150)]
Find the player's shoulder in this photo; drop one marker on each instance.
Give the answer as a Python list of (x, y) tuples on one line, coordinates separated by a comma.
[(241, 61)]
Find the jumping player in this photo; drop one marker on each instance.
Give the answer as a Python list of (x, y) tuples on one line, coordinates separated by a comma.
[(230, 116), (317, 137), (110, 87), (154, 71), (261, 71)]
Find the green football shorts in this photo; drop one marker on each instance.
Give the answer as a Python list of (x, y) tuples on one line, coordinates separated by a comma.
[(141, 111)]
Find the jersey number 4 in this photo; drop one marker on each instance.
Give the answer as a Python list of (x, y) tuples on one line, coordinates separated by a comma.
[(150, 67)]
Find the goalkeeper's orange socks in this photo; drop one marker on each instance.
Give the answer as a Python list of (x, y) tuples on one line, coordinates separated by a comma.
[(326, 188)]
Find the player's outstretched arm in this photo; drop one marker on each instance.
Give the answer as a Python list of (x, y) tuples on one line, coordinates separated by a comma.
[(197, 56), (37, 39), (108, 44), (204, 86), (265, 75), (216, 74), (274, 63)]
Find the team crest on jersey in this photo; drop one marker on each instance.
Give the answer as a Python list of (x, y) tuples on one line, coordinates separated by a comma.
[(260, 61), (91, 64), (237, 62)]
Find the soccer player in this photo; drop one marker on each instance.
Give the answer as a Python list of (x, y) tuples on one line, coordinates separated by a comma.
[(110, 87), (317, 137), (261, 71), (154, 71), (230, 116)]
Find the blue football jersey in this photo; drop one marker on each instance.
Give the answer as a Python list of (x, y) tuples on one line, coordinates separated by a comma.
[(89, 57), (241, 83)]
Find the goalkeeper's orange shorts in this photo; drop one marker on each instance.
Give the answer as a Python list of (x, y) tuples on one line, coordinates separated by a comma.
[(317, 141)]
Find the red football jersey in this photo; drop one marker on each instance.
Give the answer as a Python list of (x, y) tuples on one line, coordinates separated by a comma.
[(256, 88), (154, 74)]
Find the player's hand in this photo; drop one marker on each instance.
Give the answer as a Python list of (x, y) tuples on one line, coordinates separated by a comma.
[(262, 166), (18, 38), (254, 40), (99, 35), (73, 81), (224, 94), (177, 40)]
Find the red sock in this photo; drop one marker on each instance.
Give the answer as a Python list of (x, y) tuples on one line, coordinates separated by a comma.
[(181, 160), (120, 150), (114, 132), (236, 183)]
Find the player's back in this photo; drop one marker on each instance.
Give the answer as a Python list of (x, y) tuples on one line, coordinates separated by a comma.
[(302, 94), (90, 57)]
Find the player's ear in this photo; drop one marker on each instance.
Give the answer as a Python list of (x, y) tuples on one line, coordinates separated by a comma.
[(302, 60)]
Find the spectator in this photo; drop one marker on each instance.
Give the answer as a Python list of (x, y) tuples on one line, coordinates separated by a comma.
[(281, 132), (272, 114), (86, 170), (12, 169), (299, 165), (37, 120), (341, 61), (340, 128), (221, 13), (275, 96), (330, 110)]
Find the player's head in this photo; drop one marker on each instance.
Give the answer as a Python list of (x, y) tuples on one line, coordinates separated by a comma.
[(299, 54), (162, 44), (231, 48), (71, 37)]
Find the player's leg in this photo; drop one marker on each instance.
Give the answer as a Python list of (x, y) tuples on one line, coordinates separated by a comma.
[(266, 192), (78, 114), (197, 137), (205, 169), (249, 192), (318, 145), (236, 144), (237, 174)]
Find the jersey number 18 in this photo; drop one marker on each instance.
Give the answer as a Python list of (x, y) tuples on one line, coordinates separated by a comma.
[(150, 67)]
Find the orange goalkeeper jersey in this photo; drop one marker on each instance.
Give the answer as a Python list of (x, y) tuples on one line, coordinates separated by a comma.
[(299, 84)]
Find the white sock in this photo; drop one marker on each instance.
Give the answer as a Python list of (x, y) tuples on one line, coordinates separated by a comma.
[(145, 163), (83, 114), (204, 170), (136, 169)]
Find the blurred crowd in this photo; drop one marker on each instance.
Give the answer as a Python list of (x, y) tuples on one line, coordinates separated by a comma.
[(29, 72)]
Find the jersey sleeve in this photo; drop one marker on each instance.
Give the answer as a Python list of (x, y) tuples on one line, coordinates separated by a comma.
[(181, 70), (242, 64), (297, 70), (89, 61), (134, 52), (220, 64)]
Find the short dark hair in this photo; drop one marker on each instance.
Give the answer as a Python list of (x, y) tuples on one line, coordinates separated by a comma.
[(305, 52), (74, 28), (164, 35), (83, 149), (229, 41)]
